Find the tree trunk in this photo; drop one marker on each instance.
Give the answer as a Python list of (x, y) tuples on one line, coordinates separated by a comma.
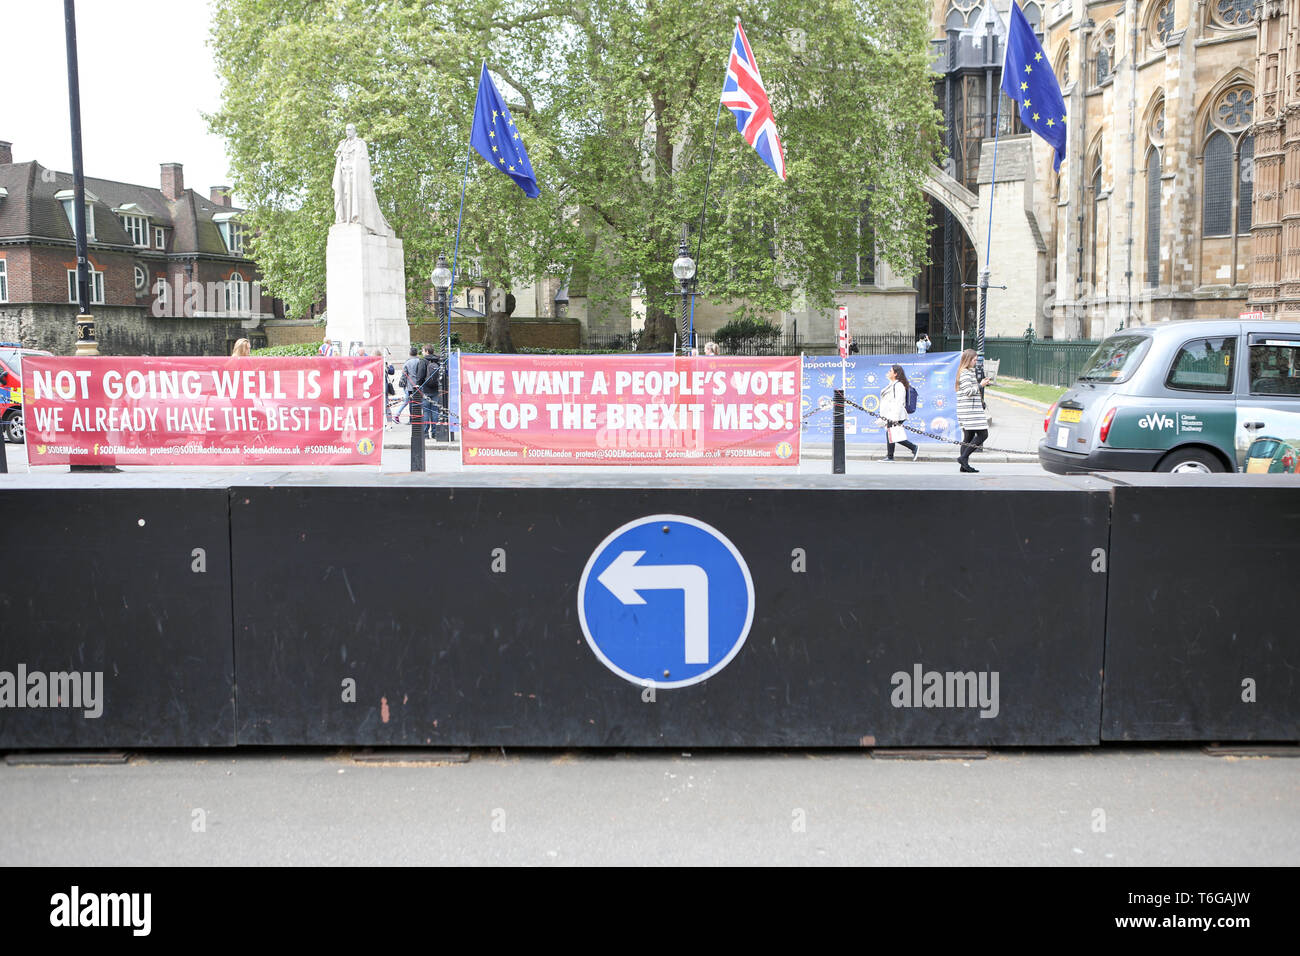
[(660, 318), (496, 331), (660, 310)]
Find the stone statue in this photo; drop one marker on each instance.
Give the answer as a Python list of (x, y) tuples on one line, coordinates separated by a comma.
[(354, 191)]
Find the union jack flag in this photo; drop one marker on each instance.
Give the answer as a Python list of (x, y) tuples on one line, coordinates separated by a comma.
[(743, 93), (326, 349)]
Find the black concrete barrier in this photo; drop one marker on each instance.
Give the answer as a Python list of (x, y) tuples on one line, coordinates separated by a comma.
[(115, 615), (1203, 621), (922, 611)]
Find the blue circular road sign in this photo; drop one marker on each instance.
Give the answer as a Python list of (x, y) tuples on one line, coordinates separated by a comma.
[(666, 601)]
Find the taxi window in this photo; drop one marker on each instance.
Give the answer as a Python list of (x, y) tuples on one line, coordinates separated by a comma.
[(1204, 365), (1275, 368), (1116, 359)]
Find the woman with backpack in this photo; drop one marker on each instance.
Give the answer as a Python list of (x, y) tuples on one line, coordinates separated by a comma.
[(970, 409), (893, 409)]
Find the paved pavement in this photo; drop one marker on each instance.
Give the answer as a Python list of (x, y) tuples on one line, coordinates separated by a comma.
[(1098, 807)]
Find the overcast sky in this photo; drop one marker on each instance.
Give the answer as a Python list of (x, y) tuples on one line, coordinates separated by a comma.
[(146, 75)]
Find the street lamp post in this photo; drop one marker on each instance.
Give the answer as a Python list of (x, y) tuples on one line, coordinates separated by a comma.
[(86, 344), (441, 279), (684, 273)]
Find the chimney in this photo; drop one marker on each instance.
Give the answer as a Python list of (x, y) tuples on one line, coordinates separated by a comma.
[(173, 181), (220, 195), (6, 153)]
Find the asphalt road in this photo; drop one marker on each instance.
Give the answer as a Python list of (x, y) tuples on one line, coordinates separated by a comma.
[(1100, 807)]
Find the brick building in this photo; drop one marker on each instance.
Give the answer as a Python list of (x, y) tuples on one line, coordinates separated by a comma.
[(169, 273)]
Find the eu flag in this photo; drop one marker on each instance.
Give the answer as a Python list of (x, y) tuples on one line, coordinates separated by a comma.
[(496, 138), (1028, 79)]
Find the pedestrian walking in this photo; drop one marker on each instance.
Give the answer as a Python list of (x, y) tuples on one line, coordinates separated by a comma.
[(429, 386), (243, 348), (413, 373), (389, 392), (923, 344), (970, 409), (893, 409), (710, 348)]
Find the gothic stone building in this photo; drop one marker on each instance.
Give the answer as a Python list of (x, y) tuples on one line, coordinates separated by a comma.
[(1151, 216), (169, 274), (1275, 275)]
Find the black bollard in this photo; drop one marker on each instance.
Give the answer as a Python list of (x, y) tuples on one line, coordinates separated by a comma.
[(417, 431), (4, 454), (837, 436)]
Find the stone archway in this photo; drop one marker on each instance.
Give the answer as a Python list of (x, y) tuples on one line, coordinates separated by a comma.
[(958, 200), (935, 313), (1014, 252)]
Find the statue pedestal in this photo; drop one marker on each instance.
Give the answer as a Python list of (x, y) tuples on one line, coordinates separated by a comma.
[(365, 289)]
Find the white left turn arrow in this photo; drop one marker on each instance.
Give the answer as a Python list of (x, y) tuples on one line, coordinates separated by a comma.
[(625, 579)]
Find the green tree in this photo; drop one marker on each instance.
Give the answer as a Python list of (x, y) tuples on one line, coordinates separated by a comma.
[(617, 101)]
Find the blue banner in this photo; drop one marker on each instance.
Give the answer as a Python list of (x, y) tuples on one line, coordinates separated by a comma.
[(933, 375), (453, 394)]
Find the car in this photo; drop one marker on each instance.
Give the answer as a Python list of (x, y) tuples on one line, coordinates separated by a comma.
[(1178, 396), (11, 390)]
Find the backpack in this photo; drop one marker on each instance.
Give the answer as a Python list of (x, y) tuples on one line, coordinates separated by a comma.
[(911, 400), (430, 384)]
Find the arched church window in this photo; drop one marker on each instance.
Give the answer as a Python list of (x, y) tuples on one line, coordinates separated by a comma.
[(1226, 164), (962, 14), (1162, 23), (1153, 216), (1103, 56), (1063, 66), (1232, 14)]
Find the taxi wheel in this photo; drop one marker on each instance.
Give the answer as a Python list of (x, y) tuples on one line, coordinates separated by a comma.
[(1190, 461)]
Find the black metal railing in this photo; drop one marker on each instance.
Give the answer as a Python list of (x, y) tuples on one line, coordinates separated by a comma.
[(611, 341), (1042, 361)]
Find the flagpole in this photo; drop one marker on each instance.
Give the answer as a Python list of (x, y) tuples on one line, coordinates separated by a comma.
[(455, 255), (988, 249), (703, 210), (988, 242), (708, 175)]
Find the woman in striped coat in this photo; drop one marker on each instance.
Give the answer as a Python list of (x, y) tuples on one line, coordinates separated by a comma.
[(970, 409)]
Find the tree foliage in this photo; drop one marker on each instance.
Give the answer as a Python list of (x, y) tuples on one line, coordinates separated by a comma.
[(617, 102)]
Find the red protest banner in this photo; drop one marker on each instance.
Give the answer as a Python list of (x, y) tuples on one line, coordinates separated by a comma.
[(629, 410), (204, 411)]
